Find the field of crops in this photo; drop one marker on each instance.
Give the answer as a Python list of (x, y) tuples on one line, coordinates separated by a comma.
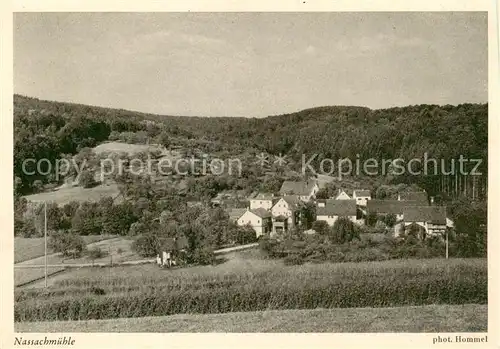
[(145, 291)]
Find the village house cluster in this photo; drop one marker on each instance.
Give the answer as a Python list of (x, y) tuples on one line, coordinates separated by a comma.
[(270, 215)]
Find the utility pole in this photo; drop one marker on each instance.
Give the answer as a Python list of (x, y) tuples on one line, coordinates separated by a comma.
[(45, 234), (446, 243)]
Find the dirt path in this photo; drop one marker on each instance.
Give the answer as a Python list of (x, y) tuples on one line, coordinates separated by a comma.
[(39, 261)]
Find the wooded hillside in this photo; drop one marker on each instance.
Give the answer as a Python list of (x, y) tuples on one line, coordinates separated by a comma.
[(46, 129)]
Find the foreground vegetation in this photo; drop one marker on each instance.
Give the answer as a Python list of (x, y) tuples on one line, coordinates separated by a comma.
[(220, 289), (429, 318)]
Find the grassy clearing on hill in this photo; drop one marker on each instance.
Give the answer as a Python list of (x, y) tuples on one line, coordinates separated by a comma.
[(65, 195), (131, 149), (429, 318), (134, 149), (253, 285)]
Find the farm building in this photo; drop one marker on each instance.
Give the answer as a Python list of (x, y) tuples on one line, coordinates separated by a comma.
[(305, 190), (335, 209), (171, 250), (431, 218), (259, 219), (385, 207)]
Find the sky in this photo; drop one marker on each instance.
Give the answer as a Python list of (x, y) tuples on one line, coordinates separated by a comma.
[(251, 64)]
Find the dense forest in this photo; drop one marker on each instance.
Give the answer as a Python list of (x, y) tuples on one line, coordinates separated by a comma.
[(46, 129)]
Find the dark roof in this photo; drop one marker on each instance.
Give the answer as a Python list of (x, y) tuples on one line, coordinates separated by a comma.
[(431, 214), (389, 206), (338, 208), (420, 196), (261, 212), (263, 196), (236, 213), (292, 200), (297, 188), (326, 201), (362, 192)]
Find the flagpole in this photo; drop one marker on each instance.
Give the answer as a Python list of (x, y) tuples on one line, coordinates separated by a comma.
[(45, 215)]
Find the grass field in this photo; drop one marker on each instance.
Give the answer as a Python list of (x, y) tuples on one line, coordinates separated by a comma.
[(119, 147), (132, 149), (29, 248), (246, 284), (430, 318), (65, 195), (119, 251)]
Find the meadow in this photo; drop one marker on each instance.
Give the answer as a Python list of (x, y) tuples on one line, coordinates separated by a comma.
[(414, 319), (116, 250), (29, 248), (119, 147), (242, 285), (65, 195)]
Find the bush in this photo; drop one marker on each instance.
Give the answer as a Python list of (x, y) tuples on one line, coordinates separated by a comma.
[(366, 255), (67, 243), (380, 227), (335, 257), (204, 256), (270, 247), (321, 227), (37, 186), (293, 259), (390, 220), (96, 253), (25, 229), (371, 219), (344, 230), (97, 291), (87, 179), (146, 245)]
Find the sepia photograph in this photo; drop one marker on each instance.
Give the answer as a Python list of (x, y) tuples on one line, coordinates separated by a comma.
[(250, 172)]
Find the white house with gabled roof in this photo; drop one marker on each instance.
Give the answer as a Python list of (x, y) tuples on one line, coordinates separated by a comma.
[(342, 195), (259, 219), (263, 200)]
